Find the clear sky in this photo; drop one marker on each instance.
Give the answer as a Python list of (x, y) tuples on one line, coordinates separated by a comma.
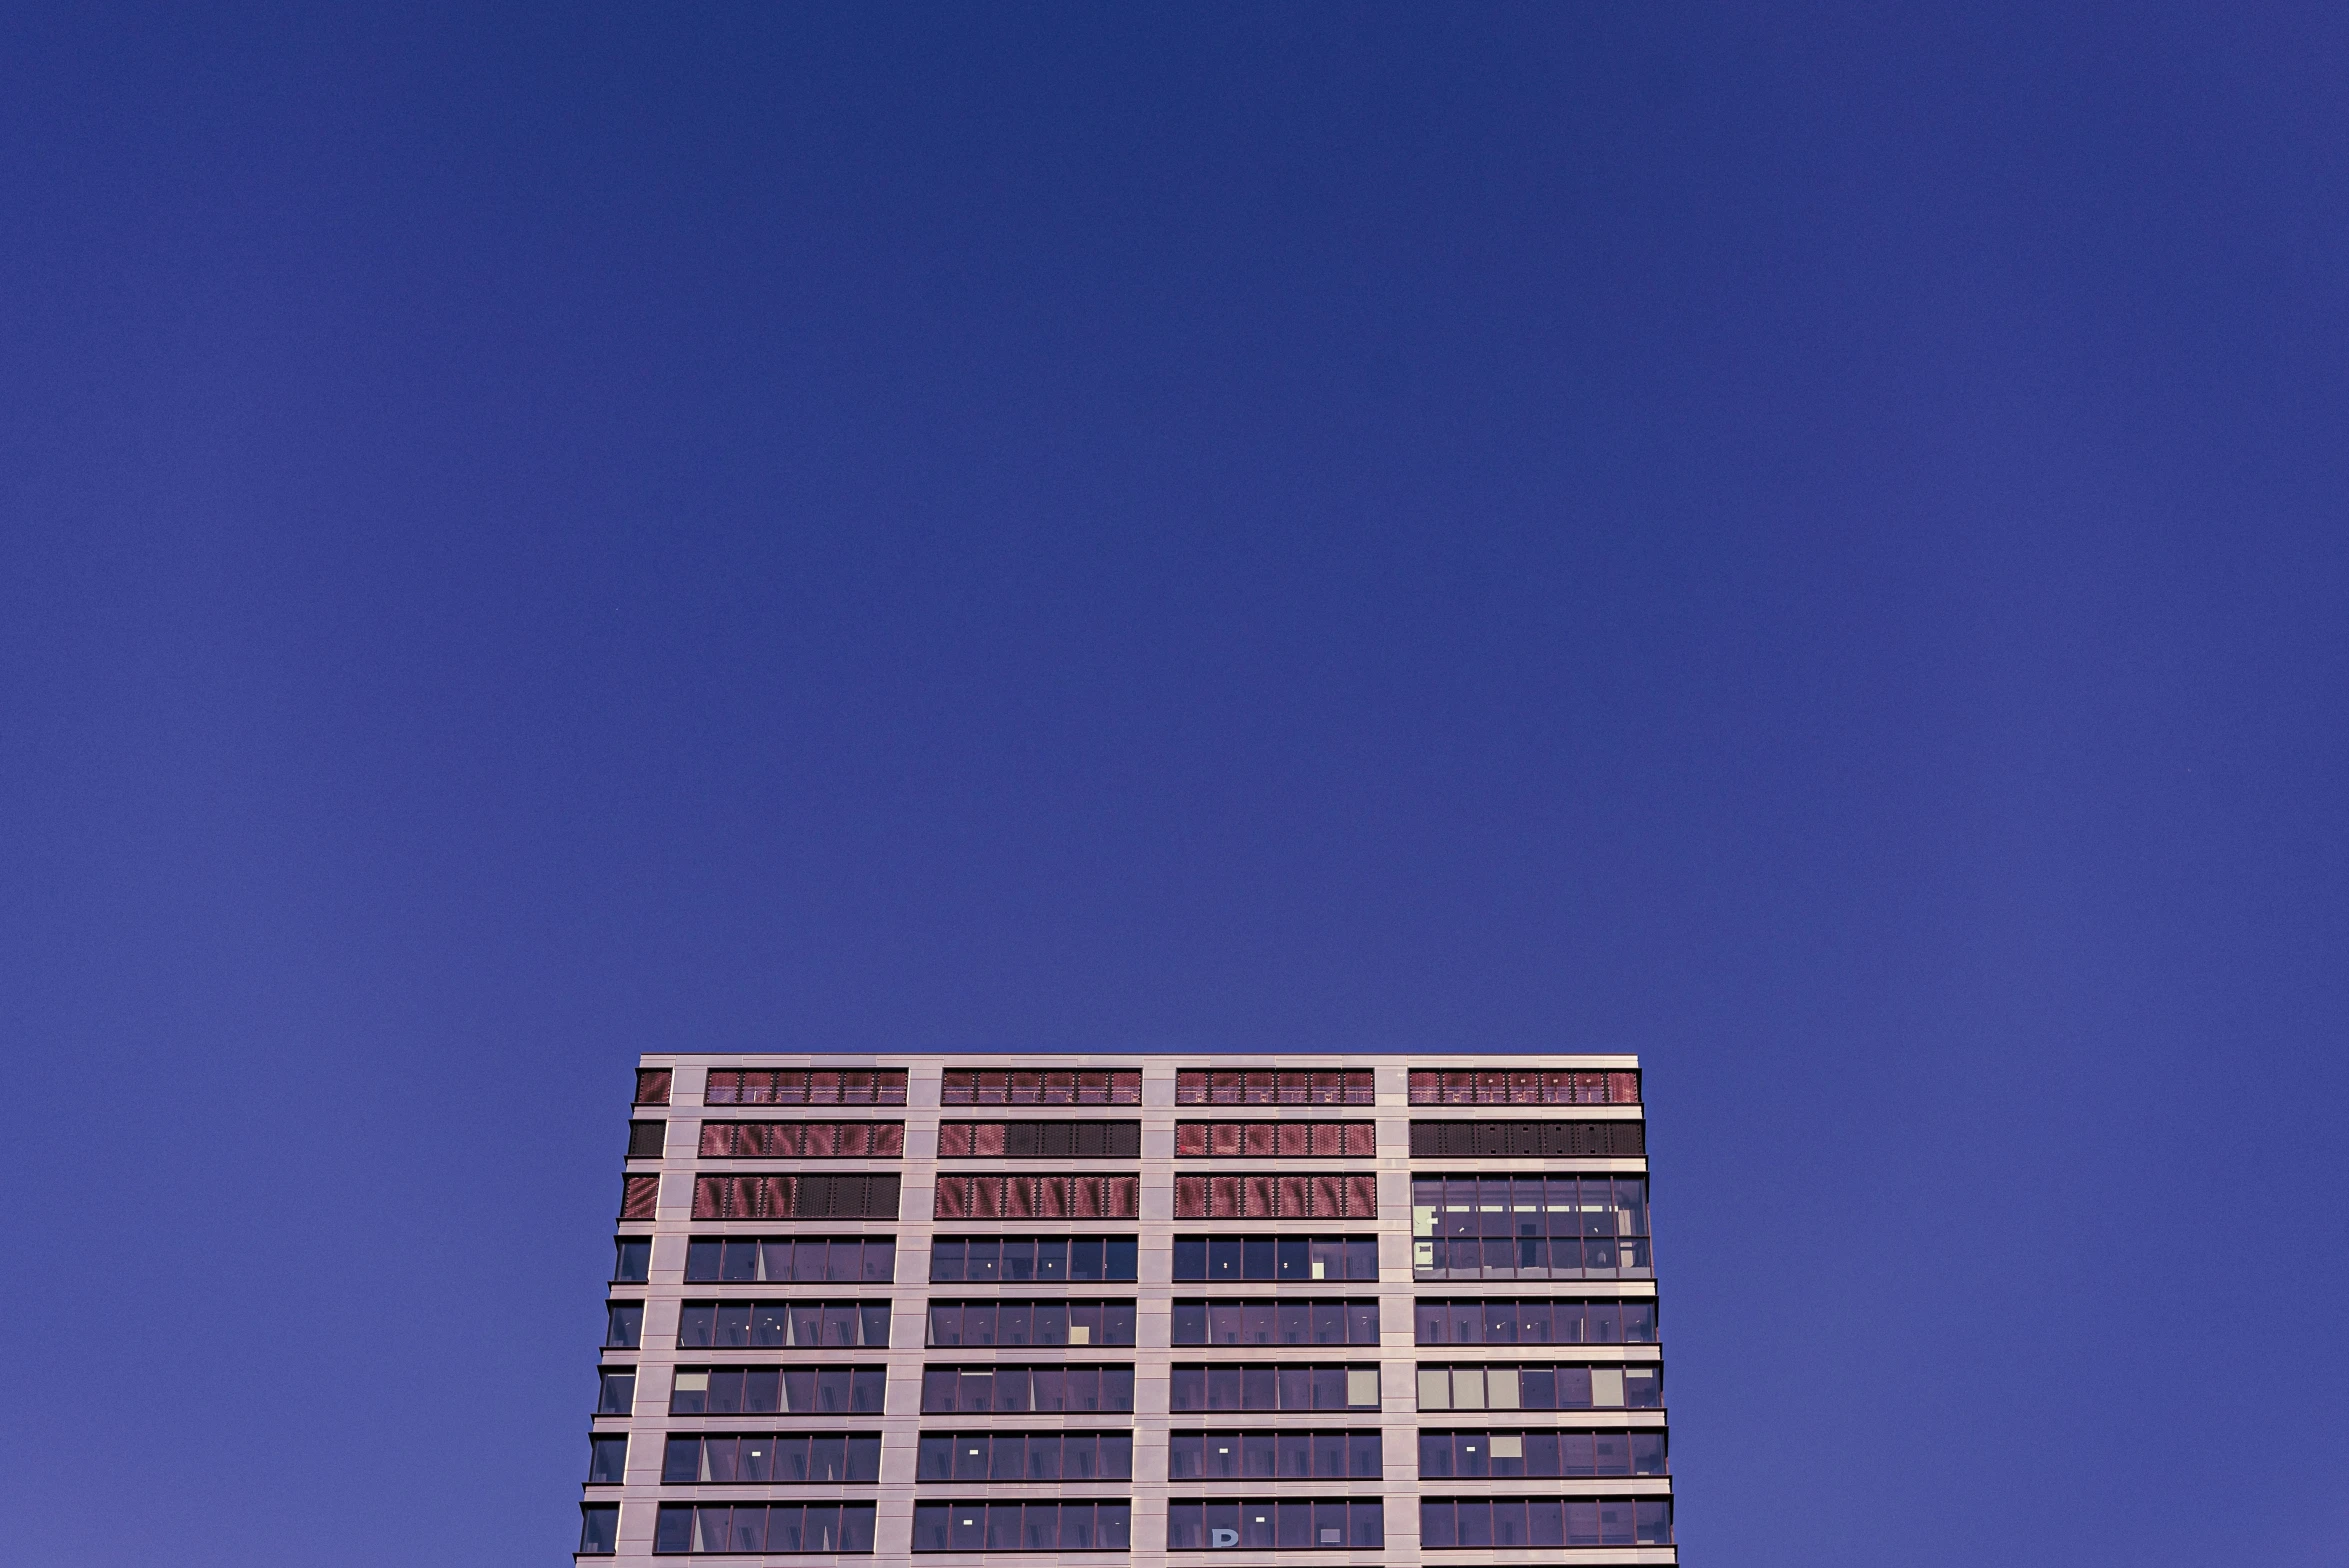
[(1806, 544)]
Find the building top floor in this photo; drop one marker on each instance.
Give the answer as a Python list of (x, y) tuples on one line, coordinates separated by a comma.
[(944, 1079)]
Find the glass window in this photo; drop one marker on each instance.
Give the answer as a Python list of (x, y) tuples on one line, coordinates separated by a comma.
[(599, 1529), (616, 1391), (607, 1460), (623, 1324)]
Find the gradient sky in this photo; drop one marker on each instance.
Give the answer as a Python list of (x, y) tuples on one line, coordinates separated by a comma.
[(1809, 545)]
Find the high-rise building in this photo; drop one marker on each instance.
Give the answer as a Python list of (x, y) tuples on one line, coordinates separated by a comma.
[(1391, 1309)]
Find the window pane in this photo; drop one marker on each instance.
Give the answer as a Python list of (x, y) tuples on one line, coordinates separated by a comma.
[(607, 1460), (599, 1529)]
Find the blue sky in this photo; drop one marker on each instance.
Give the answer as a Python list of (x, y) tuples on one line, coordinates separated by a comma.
[(1807, 545)]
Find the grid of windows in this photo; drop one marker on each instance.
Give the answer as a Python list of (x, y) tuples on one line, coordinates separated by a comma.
[(1330, 1195), (1529, 1227), (1025, 1456), (1293, 1410), (1022, 1323), (769, 1391), (1041, 1260), (1273, 1456), (1520, 1086), (1504, 1455), (1274, 1323), (1272, 1385), (782, 1325), (786, 1458), (1039, 1140), (1026, 1390), (800, 1259), (1054, 1197), (1490, 1522), (1022, 1527), (1507, 1320), (775, 1528), (803, 1140), (805, 1086), (1276, 1140), (1279, 1525), (795, 1197), (1278, 1086), (1012, 1086), (1490, 1140), (1624, 1386)]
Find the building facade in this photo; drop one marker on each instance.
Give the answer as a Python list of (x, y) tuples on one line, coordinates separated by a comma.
[(1152, 1307)]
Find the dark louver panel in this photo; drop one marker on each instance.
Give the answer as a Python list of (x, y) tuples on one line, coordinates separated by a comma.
[(1497, 1140)]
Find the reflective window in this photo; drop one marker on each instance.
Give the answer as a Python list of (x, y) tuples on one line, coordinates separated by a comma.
[(798, 1259), (1275, 1525), (1615, 1386), (1025, 1456), (1039, 1140), (1018, 1323), (607, 1460), (1266, 1322), (803, 1140), (1329, 1195), (1291, 1260), (764, 1527), (871, 1197), (1012, 1086), (1024, 1197), (615, 1391), (1483, 1524), (599, 1529), (1276, 1140), (1519, 1086), (798, 1391), (1022, 1527), (1293, 1385), (805, 1086), (1539, 1320), (797, 1325), (634, 1260), (788, 1458), (1042, 1260), (640, 1197), (1274, 1086), (1530, 1227), (1026, 1390), (1271, 1456), (623, 1324), (1481, 1455)]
